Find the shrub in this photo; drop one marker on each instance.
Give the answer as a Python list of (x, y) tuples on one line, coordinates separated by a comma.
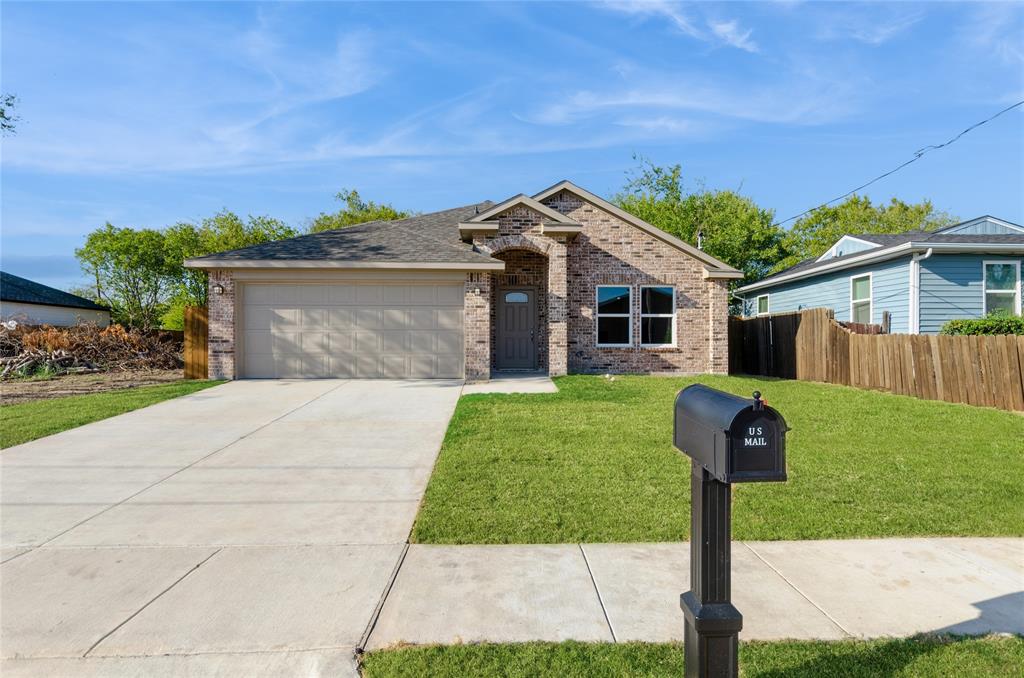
[(993, 323)]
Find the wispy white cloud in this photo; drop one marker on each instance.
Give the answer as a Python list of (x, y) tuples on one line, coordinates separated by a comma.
[(867, 27), (719, 31), (730, 33), (996, 28)]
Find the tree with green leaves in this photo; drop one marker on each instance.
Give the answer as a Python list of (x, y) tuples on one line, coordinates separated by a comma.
[(355, 211), (8, 118), (221, 232), (733, 227), (812, 235), (130, 272)]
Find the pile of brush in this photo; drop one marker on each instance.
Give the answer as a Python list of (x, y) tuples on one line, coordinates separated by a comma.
[(27, 350)]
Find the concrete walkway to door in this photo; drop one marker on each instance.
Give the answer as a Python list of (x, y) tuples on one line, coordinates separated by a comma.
[(248, 529)]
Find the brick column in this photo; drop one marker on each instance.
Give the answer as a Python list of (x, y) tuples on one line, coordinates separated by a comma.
[(477, 330), (558, 309), (718, 326), (221, 325)]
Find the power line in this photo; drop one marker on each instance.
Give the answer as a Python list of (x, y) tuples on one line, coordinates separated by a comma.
[(918, 154)]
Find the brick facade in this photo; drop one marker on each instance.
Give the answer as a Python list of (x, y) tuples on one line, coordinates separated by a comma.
[(221, 327), (610, 251), (477, 326)]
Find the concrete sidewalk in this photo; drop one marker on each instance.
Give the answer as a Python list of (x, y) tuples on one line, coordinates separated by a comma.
[(630, 592)]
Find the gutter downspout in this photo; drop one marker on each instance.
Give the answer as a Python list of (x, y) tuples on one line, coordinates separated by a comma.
[(915, 290)]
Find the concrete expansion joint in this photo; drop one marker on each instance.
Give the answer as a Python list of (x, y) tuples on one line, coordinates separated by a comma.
[(597, 590), (151, 601), (364, 639), (799, 591)]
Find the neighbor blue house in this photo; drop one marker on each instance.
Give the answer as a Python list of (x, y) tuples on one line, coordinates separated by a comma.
[(921, 278)]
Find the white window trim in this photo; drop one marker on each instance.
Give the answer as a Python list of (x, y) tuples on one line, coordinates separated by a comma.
[(984, 281), (870, 299), (598, 315), (757, 305), (672, 315)]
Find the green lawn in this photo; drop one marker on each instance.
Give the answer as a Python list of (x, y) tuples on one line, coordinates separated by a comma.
[(595, 463), (917, 657), (27, 421)]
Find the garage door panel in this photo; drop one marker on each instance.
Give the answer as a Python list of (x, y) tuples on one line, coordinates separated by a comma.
[(341, 295), (342, 342), (368, 318), (352, 330), (315, 318), (394, 318), (448, 365), (368, 342), (449, 319), (341, 318), (449, 342), (311, 295), (422, 342), (369, 295), (257, 318), (449, 295), (395, 294)]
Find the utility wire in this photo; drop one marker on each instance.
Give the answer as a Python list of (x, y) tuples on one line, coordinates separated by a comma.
[(918, 154)]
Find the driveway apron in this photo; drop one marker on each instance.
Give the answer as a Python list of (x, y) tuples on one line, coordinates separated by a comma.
[(254, 519)]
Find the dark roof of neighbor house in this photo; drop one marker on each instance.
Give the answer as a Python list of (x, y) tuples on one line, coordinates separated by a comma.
[(432, 238), (18, 289), (887, 241)]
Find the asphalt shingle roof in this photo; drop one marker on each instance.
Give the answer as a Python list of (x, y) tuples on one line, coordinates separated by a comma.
[(887, 240), (430, 238), (17, 289)]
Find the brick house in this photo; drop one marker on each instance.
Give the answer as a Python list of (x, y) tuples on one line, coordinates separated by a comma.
[(560, 282)]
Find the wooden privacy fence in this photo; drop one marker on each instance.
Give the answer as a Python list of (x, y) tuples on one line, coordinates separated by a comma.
[(811, 346), (195, 342)]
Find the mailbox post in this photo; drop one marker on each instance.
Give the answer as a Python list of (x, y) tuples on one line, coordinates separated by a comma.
[(729, 440)]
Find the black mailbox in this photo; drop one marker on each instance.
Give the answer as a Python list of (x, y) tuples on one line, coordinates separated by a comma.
[(736, 440)]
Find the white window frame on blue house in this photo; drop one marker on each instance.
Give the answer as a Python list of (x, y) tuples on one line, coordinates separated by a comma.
[(767, 305), (870, 299), (984, 282)]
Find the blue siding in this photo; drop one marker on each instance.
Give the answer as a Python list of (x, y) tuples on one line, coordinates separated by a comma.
[(951, 288), (890, 291), (983, 228)]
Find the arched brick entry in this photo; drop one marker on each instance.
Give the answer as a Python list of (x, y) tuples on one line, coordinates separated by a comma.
[(524, 269)]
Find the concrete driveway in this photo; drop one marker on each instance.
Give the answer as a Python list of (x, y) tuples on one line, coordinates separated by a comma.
[(249, 529)]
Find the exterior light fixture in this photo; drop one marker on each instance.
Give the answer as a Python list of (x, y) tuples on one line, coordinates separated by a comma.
[(218, 289)]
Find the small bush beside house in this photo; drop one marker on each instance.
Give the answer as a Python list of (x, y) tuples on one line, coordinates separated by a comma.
[(995, 323)]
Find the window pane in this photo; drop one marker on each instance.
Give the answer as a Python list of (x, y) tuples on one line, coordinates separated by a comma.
[(862, 312), (656, 300), (656, 331), (999, 302), (613, 300), (862, 288), (613, 330), (1000, 277), (762, 304), (516, 298)]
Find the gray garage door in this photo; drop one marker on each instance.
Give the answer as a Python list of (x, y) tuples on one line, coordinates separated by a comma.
[(352, 330)]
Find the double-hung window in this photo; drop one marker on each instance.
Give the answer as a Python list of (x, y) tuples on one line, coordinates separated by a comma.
[(1002, 286), (762, 305), (657, 316), (860, 299), (614, 322)]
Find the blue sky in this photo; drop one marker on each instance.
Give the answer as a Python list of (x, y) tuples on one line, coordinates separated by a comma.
[(145, 114)]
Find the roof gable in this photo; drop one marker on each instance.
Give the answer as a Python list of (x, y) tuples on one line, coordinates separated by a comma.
[(985, 225), (523, 200), (847, 245), (715, 267)]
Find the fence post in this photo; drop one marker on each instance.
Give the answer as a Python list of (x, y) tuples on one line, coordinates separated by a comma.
[(196, 343)]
